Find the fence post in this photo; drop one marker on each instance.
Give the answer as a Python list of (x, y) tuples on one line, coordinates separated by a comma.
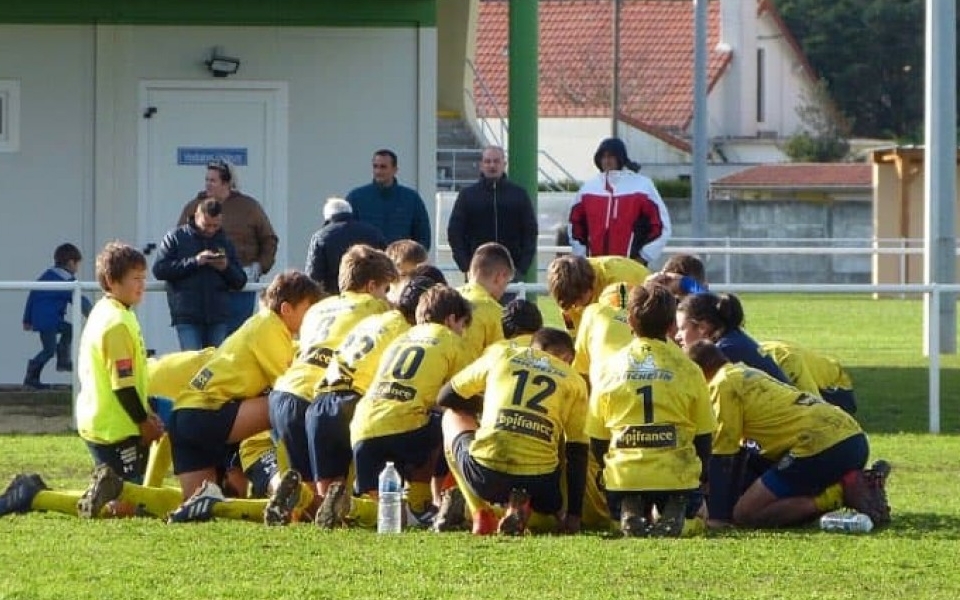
[(933, 344), (726, 261), (76, 314)]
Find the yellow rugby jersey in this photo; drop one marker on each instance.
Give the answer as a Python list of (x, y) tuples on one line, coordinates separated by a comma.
[(253, 447), (793, 365), (650, 401), (603, 332), (486, 326), (824, 371), (112, 356), (171, 373), (356, 360), (244, 366), (750, 404), (518, 341), (413, 369), (615, 269), (325, 326), (532, 400)]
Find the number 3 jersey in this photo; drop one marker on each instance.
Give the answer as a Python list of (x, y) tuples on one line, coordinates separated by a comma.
[(413, 369), (650, 402), (532, 401)]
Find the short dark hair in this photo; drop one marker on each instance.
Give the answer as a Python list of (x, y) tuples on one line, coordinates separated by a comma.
[(553, 341), (707, 356), (440, 302), (224, 168), (686, 264), (64, 254), (292, 287), (521, 317), (429, 271), (211, 207), (410, 296), (389, 153), (651, 310)]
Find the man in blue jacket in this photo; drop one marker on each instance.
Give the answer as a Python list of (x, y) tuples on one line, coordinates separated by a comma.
[(396, 210), (200, 266)]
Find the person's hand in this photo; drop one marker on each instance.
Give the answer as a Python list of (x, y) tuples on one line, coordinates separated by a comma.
[(209, 257), (150, 430), (219, 262)]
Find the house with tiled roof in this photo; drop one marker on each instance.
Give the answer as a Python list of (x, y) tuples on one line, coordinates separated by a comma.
[(757, 78), (824, 182)]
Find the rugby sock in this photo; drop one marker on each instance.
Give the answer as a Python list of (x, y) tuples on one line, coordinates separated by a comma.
[(419, 496), (240, 509), (156, 501), (363, 511), (693, 527), (158, 465), (830, 498), (61, 502), (474, 503)]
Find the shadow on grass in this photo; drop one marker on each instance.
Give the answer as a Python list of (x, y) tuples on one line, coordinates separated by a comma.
[(895, 399)]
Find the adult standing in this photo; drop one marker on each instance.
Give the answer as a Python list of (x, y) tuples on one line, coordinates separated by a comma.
[(340, 231), (396, 210), (494, 209), (246, 225), (201, 268), (619, 212)]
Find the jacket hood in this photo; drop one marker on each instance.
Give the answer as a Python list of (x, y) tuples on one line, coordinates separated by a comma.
[(616, 147)]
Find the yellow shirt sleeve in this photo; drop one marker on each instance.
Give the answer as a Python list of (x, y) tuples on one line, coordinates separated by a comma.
[(120, 351)]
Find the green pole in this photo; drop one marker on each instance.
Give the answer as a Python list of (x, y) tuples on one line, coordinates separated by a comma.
[(522, 75)]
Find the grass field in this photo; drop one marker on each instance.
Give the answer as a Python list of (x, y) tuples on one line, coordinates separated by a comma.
[(55, 556)]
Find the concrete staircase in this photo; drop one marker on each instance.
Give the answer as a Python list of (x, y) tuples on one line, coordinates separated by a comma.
[(458, 153)]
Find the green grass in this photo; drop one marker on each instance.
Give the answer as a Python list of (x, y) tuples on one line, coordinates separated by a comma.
[(56, 556)]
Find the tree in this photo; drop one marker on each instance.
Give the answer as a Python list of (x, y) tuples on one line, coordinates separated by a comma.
[(871, 54), (825, 129)]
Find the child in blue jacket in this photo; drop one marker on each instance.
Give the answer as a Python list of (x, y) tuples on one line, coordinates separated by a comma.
[(45, 313)]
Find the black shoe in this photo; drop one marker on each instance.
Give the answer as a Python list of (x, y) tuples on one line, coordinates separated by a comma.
[(633, 517), (65, 366), (672, 517)]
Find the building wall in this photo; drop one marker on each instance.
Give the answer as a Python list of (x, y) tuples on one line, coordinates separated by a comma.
[(351, 91)]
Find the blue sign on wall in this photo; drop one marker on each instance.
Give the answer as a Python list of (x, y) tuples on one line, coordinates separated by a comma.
[(201, 156)]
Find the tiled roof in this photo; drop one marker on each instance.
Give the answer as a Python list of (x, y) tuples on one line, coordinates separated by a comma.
[(796, 175), (576, 58)]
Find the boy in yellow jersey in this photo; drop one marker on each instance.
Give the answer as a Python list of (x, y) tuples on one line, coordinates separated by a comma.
[(815, 451), (406, 255), (650, 424), (534, 407), (365, 275), (392, 421), (348, 378), (113, 415), (225, 401), (576, 282), (491, 271), (813, 372)]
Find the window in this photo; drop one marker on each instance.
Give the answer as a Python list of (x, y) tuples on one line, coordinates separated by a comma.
[(760, 85), (9, 115)]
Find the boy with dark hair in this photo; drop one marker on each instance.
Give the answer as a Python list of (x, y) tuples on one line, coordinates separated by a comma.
[(393, 420), (575, 282), (682, 274), (491, 271), (45, 311), (113, 415), (650, 424), (365, 274), (521, 319), (406, 255), (533, 407)]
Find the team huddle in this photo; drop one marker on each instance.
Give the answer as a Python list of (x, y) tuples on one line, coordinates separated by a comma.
[(653, 412)]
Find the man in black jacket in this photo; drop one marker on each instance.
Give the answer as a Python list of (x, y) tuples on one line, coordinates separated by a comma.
[(493, 210), (201, 267), (340, 231)]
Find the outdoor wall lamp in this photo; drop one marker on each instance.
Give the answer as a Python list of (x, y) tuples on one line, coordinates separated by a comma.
[(222, 66)]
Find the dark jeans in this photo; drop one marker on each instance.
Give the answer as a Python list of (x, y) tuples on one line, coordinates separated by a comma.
[(52, 346), (242, 307), (197, 337)]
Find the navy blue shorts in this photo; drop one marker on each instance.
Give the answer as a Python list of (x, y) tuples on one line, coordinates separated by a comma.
[(845, 399), (328, 433), (810, 475), (198, 437), (287, 414), (495, 486), (127, 458), (651, 499), (261, 472), (408, 451)]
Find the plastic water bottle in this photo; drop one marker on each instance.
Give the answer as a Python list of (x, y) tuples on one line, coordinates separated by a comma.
[(846, 521), (390, 504)]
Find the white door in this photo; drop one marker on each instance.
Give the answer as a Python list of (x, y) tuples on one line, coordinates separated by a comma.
[(184, 125)]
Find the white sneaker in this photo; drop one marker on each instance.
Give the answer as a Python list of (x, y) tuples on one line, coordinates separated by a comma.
[(199, 506)]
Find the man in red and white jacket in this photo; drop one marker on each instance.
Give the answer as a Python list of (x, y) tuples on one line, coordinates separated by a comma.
[(619, 212)]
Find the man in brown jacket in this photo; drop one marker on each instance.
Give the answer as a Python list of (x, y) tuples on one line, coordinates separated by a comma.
[(247, 227)]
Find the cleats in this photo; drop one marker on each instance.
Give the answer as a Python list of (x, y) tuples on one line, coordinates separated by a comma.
[(864, 491), (514, 522), (20, 493), (633, 517), (199, 506), (419, 519), (279, 510), (671, 520), (105, 487), (335, 507), (484, 522), (452, 513)]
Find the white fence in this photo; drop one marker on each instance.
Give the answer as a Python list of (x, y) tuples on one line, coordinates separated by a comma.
[(933, 293)]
